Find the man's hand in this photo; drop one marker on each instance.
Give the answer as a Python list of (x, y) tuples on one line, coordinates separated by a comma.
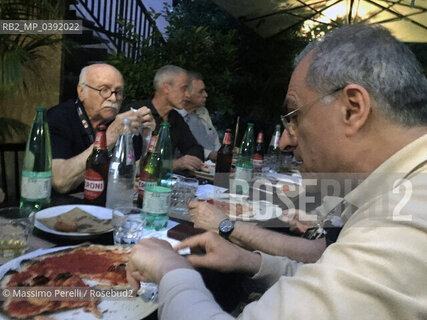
[(297, 219), (139, 118), (221, 254), (205, 216), (150, 260), (187, 162), (147, 121), (213, 156)]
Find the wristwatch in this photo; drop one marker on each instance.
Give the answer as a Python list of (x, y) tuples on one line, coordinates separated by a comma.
[(225, 228)]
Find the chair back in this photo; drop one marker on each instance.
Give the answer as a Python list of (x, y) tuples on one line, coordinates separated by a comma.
[(11, 157)]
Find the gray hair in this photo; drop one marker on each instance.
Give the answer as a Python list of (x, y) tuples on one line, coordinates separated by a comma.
[(82, 77), (371, 57), (193, 76), (166, 74)]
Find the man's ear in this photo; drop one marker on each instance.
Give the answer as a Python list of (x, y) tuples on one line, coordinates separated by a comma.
[(166, 87), (356, 108), (80, 92)]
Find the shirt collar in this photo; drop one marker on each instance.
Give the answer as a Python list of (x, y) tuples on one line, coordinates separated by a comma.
[(388, 175)]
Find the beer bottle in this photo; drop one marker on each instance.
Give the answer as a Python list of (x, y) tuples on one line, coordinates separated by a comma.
[(225, 154), (144, 171), (223, 161), (37, 168), (158, 181), (258, 158), (244, 165), (96, 174)]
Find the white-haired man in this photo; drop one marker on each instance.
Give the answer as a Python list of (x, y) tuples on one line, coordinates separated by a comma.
[(171, 90), (72, 124)]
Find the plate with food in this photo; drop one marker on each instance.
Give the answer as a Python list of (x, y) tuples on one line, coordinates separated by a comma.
[(208, 167), (80, 282), (246, 210), (75, 220)]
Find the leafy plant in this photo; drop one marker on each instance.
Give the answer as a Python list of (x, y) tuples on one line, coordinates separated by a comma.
[(11, 128), (196, 48), (20, 54)]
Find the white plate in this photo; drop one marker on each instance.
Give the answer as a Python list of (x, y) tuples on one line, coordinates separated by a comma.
[(262, 211), (99, 212), (130, 309)]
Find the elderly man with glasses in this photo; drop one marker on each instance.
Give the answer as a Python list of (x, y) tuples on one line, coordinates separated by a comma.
[(357, 103), (73, 123)]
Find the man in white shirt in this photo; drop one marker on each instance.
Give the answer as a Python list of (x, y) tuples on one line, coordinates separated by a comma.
[(347, 113), (197, 117)]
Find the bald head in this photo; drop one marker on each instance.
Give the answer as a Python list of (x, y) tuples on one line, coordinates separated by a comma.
[(98, 68), (96, 79)]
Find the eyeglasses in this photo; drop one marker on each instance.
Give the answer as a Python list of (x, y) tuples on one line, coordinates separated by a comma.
[(290, 120), (106, 92)]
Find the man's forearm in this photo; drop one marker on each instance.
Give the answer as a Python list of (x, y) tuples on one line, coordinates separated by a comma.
[(69, 174), (254, 238)]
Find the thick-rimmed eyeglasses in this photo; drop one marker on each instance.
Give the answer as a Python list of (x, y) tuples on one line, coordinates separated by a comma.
[(106, 92), (290, 120)]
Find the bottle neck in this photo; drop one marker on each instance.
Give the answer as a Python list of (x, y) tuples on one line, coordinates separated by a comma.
[(152, 143), (227, 138), (100, 140)]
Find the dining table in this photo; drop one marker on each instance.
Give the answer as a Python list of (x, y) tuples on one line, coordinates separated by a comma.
[(228, 289), (223, 286)]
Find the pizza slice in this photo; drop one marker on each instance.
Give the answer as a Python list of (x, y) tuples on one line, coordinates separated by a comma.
[(94, 266)]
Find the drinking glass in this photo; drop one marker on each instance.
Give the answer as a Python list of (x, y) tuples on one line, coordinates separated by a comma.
[(183, 192), (16, 225), (128, 225)]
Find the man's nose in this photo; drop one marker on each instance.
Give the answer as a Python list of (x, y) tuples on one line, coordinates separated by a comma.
[(113, 98), (287, 142)]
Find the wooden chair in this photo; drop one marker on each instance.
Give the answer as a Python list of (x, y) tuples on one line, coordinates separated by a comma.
[(11, 172)]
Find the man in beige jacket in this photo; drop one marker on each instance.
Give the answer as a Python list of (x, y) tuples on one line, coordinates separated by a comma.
[(357, 103)]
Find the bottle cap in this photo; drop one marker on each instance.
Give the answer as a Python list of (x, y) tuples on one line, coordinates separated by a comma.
[(250, 124), (126, 121), (165, 124), (40, 108), (102, 127)]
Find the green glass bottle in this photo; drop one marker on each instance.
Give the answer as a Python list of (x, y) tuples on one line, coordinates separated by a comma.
[(157, 188), (145, 174), (244, 164), (36, 180)]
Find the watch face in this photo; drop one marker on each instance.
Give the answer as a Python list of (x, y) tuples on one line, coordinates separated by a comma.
[(226, 226)]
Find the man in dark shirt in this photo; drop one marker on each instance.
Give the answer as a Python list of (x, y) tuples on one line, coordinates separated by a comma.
[(72, 124), (171, 84)]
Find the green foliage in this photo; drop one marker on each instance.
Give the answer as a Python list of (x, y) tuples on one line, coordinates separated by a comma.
[(244, 74), (12, 129), (20, 53), (197, 48)]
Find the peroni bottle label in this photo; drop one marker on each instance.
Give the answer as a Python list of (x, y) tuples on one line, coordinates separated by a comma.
[(94, 184)]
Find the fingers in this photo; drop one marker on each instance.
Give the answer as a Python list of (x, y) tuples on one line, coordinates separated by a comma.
[(201, 261), (192, 162), (197, 241), (130, 270)]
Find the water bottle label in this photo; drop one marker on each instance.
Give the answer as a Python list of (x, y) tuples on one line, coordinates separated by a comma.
[(36, 188), (130, 158), (156, 202), (142, 184), (94, 184)]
